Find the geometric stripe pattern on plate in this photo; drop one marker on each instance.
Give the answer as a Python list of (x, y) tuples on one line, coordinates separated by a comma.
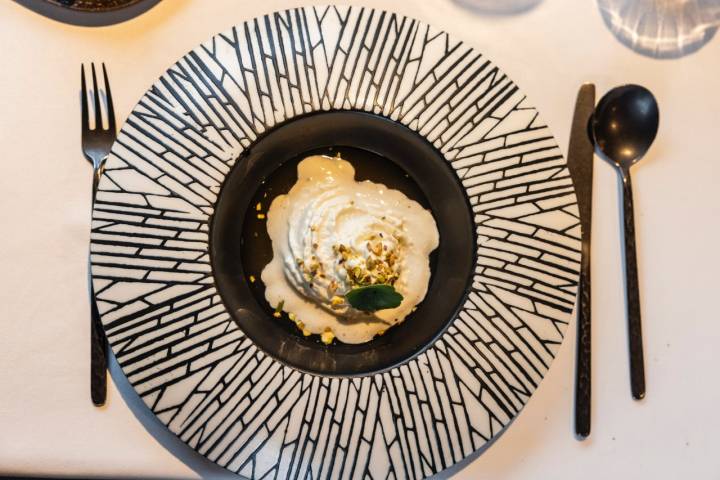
[(191, 363)]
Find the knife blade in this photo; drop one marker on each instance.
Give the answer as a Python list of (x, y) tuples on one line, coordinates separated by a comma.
[(580, 163)]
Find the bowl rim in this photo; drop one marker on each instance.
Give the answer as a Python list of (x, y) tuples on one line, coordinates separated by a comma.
[(459, 292)]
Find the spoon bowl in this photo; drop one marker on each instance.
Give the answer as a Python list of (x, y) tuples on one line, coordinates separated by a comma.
[(624, 124)]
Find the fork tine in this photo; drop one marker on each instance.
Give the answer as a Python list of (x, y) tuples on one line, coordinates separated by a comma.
[(108, 98), (84, 101), (98, 110)]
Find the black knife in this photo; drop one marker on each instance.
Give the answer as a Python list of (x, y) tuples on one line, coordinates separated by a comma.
[(580, 163)]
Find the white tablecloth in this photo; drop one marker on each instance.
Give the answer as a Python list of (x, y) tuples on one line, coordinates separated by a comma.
[(48, 425)]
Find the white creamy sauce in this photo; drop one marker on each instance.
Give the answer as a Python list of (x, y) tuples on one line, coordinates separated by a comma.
[(328, 228)]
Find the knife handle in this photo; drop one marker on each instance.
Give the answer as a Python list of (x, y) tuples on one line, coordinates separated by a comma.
[(98, 355), (583, 358), (637, 362)]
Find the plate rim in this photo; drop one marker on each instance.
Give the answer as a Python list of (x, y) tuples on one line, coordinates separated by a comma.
[(314, 9)]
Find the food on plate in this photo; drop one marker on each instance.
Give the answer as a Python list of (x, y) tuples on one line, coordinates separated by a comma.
[(350, 259)]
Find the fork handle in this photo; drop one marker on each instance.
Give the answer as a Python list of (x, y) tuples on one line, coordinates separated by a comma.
[(98, 355), (98, 341), (97, 174), (635, 343)]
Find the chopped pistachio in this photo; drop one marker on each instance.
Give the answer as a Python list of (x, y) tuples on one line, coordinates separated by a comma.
[(252, 278), (292, 316), (258, 207), (327, 336), (278, 309), (261, 216)]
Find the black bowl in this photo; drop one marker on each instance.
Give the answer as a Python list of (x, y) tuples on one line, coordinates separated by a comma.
[(381, 150)]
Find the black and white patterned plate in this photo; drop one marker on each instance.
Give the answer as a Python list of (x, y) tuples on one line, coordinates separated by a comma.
[(192, 364)]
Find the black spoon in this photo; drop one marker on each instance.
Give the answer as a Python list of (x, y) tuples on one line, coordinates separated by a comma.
[(624, 126)]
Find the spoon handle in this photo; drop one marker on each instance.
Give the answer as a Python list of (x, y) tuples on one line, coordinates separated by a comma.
[(637, 368)]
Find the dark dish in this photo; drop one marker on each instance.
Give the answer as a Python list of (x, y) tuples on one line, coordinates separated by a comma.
[(383, 151)]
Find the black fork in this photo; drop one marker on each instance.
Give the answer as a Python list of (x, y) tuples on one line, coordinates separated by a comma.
[(96, 144)]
